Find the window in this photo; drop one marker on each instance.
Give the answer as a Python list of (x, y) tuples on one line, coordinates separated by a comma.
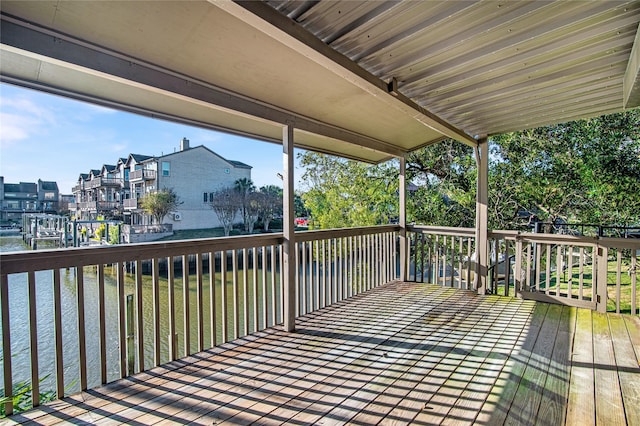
[(166, 168), (211, 197), (205, 197), (227, 171)]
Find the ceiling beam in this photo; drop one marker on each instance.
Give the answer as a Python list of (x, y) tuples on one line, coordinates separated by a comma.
[(47, 45), (631, 81), (280, 27)]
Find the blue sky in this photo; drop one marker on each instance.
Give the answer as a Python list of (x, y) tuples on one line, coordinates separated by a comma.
[(53, 138)]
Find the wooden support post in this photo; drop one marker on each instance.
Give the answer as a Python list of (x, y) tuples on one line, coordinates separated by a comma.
[(289, 263), (602, 266), (402, 219), (482, 252)]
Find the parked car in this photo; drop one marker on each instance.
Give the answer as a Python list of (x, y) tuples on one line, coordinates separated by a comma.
[(302, 221)]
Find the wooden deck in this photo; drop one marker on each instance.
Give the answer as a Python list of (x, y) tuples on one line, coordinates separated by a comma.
[(401, 354)]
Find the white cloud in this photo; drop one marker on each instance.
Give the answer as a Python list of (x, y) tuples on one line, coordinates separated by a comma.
[(206, 136), (118, 147), (13, 127), (21, 118)]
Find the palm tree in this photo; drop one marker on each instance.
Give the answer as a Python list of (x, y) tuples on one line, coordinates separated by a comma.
[(244, 186)]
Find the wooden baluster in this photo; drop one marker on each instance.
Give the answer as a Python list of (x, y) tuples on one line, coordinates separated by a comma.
[(186, 305), (102, 327), (139, 316), (173, 350), (6, 345), (120, 278), (245, 292), (212, 299), (155, 289), (256, 316), (199, 302), (322, 293), (618, 278), (223, 296), (236, 294), (33, 337), (581, 273), (274, 287), (265, 296)]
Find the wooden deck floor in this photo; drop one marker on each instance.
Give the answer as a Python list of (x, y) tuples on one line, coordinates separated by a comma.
[(401, 354)]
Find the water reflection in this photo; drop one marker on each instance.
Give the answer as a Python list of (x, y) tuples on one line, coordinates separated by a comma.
[(19, 316)]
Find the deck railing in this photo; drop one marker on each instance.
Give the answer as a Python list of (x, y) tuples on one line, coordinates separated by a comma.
[(591, 272), (98, 205), (142, 174), (130, 203), (102, 181), (77, 318), (441, 255)]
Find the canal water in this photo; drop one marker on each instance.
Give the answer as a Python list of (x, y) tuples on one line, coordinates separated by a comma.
[(19, 319)]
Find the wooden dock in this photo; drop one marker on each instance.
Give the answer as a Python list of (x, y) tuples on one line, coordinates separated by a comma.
[(403, 353)]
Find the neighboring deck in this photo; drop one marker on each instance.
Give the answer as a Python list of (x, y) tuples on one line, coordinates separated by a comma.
[(402, 353)]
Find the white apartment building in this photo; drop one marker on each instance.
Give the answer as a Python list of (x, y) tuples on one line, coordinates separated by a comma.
[(194, 174)]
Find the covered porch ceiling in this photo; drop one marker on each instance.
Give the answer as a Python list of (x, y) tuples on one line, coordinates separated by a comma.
[(367, 80)]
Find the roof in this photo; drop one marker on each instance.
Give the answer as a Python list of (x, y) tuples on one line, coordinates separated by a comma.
[(22, 187), (137, 158), (239, 164), (233, 163), (365, 80), (48, 185)]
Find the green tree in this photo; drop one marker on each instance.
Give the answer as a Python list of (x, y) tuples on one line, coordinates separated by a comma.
[(343, 193), (270, 204), (583, 171), (298, 206), (159, 204), (244, 187), (444, 176)]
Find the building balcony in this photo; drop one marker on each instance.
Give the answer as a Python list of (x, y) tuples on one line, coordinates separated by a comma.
[(387, 329), (96, 206), (137, 175), (77, 188), (103, 182), (130, 203)]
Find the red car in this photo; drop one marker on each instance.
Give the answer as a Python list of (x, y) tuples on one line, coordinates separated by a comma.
[(302, 221)]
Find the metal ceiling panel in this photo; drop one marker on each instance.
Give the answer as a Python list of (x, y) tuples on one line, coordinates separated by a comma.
[(362, 79), (485, 66)]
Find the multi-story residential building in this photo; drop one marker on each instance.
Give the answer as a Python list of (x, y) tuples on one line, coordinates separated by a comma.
[(98, 194), (194, 174), (27, 197)]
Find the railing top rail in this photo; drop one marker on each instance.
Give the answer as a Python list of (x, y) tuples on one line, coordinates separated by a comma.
[(502, 233), (578, 240), (624, 243), (325, 234), (39, 260), (442, 230), (547, 238)]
